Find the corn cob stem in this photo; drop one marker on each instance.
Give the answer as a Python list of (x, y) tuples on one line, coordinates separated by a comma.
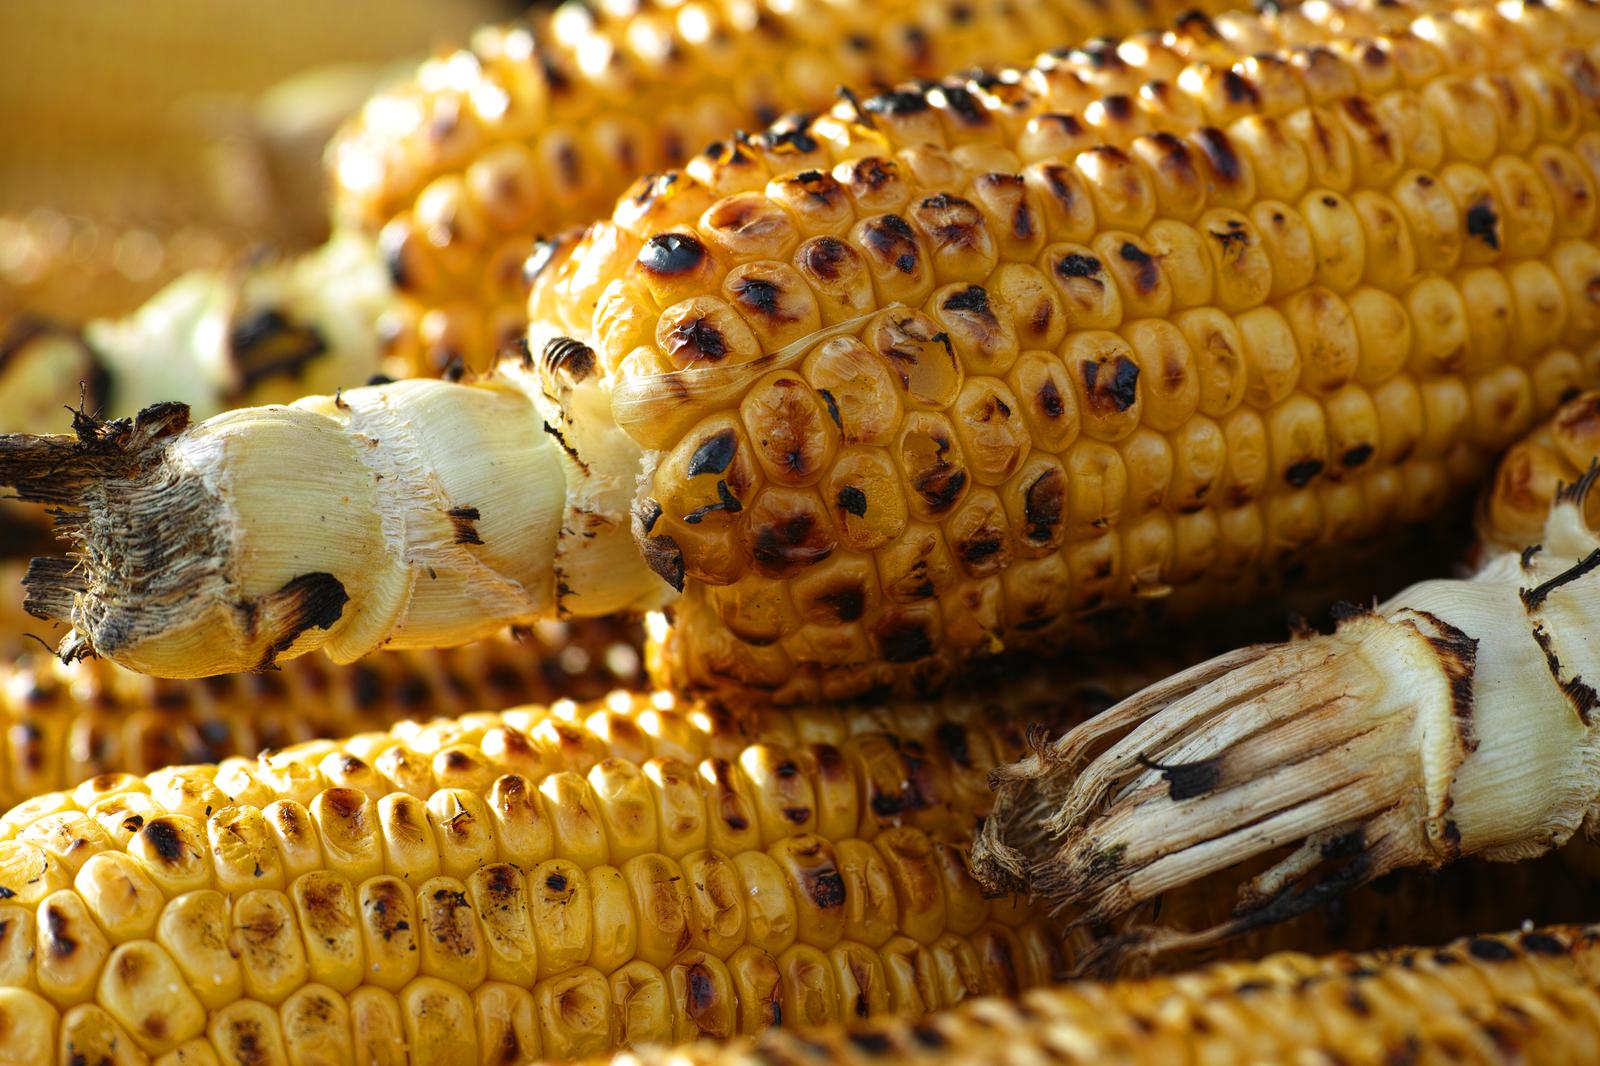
[(1457, 719), (542, 882), (1129, 378), (1526, 997)]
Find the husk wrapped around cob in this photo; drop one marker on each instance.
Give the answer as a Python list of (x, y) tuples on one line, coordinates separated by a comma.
[(940, 372)]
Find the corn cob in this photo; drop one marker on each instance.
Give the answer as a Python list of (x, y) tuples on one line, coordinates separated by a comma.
[(1530, 997), (477, 155), (540, 124), (537, 882), (1458, 719), (905, 429), (64, 724), (1532, 472)]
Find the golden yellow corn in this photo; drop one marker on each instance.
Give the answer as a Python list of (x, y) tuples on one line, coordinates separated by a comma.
[(63, 724), (940, 372), (1559, 452), (540, 124), (538, 882), (1530, 997)]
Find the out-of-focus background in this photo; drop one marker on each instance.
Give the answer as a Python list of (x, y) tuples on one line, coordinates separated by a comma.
[(142, 139)]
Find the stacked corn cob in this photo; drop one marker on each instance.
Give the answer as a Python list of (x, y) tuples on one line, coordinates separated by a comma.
[(1531, 997), (941, 370), (552, 882), (541, 124)]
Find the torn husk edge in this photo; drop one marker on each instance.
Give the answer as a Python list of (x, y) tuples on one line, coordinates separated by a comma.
[(1453, 720)]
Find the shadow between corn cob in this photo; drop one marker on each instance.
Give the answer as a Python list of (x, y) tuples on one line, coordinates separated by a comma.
[(940, 372)]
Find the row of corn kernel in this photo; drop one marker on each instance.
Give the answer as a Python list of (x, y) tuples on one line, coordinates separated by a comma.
[(62, 724)]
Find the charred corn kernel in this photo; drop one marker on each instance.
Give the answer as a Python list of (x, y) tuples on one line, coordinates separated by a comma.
[(71, 724), (756, 504), (540, 124), (1531, 993), (182, 933)]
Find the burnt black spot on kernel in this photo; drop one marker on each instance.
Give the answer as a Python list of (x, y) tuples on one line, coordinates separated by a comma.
[(870, 1042), (979, 549), (761, 296), (848, 603), (1542, 944), (1357, 455), (927, 1034), (788, 140), (832, 405), (1147, 274), (1118, 106), (853, 500), (905, 643), (940, 484), (1300, 474), (665, 559), (776, 542), (714, 455), (901, 102), (964, 105), (672, 254), (824, 256), (1239, 90), (699, 338), (892, 239), (1220, 153), (973, 299), (61, 946), (1487, 949), (1049, 401), (1484, 224), (1115, 385), (1043, 505), (646, 513), (1078, 266), (726, 501), (952, 740), (556, 882), (165, 839)]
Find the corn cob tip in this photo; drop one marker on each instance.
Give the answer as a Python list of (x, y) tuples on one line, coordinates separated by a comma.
[(1453, 720)]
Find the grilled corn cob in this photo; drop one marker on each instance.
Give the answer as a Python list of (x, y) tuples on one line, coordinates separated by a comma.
[(1530, 997), (1532, 472), (938, 372), (542, 123), (534, 130), (1458, 719), (537, 882), (61, 725)]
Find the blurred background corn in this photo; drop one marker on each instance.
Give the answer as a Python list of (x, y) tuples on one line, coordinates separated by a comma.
[(145, 141), (1149, 318), (542, 882), (540, 124), (1528, 997)]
